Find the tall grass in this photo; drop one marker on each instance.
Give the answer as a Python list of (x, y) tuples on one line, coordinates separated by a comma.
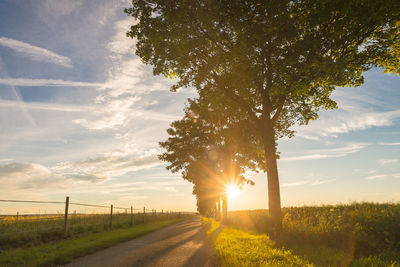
[(359, 234)]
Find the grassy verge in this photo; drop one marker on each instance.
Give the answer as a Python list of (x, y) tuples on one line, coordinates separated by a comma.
[(64, 251), (238, 248), (38, 230), (360, 234)]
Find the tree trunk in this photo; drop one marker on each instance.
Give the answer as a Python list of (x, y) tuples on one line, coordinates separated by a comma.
[(224, 207), (218, 217), (274, 197)]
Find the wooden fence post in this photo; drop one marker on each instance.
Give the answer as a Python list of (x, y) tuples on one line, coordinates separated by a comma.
[(131, 215), (66, 214), (144, 214), (111, 213), (17, 216)]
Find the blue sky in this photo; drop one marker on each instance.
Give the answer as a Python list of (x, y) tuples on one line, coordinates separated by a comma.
[(80, 115)]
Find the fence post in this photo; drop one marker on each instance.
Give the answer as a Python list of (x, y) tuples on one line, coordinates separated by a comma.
[(111, 213), (66, 214), (17, 216), (131, 215), (144, 214)]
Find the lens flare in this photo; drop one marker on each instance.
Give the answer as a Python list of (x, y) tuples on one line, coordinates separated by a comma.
[(233, 191)]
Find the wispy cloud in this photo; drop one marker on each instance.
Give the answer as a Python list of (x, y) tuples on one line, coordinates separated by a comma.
[(45, 82), (356, 112), (319, 182), (389, 144), (120, 98), (364, 120), (387, 161), (294, 184), (328, 153), (58, 8), (35, 53), (113, 164), (44, 106), (308, 182), (383, 176), (14, 176)]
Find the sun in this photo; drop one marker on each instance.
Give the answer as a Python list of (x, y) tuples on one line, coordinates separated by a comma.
[(232, 191)]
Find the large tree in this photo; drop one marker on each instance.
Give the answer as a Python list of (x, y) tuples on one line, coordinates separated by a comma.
[(278, 60)]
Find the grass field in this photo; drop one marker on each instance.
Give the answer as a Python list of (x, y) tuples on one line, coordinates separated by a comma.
[(362, 234), (62, 251), (37, 230)]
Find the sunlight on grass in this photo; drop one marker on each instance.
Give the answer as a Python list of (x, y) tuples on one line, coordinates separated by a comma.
[(238, 248), (360, 234)]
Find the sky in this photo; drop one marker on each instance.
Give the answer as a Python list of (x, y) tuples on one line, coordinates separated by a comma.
[(81, 116)]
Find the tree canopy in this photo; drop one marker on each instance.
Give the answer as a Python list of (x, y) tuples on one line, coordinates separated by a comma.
[(277, 62)]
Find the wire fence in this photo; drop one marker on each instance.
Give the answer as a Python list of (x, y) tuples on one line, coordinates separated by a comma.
[(72, 218)]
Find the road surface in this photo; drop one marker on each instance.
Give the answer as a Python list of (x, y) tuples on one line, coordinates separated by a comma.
[(181, 244)]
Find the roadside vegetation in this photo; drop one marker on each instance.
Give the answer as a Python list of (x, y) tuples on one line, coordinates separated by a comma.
[(361, 234), (37, 230), (63, 251)]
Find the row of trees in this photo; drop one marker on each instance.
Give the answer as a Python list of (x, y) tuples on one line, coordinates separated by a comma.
[(205, 147), (259, 68)]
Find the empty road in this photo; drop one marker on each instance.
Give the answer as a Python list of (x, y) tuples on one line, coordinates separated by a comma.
[(181, 244)]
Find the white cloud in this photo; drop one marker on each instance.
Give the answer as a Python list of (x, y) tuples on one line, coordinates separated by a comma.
[(120, 98), (294, 184), (43, 106), (387, 161), (14, 176), (389, 144), (59, 8), (363, 120), (35, 53), (170, 189), (345, 121), (44, 82), (308, 182), (319, 182), (357, 111), (113, 164), (383, 176), (328, 153)]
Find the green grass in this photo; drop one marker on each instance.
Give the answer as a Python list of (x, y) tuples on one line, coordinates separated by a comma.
[(38, 230), (360, 234), (238, 248), (64, 251)]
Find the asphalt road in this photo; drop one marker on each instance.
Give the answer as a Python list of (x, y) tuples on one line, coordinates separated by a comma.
[(181, 244)]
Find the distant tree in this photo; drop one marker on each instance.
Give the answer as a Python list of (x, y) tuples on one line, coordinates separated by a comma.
[(278, 60), (203, 146)]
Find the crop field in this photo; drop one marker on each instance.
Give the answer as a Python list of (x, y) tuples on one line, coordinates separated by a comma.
[(360, 234)]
